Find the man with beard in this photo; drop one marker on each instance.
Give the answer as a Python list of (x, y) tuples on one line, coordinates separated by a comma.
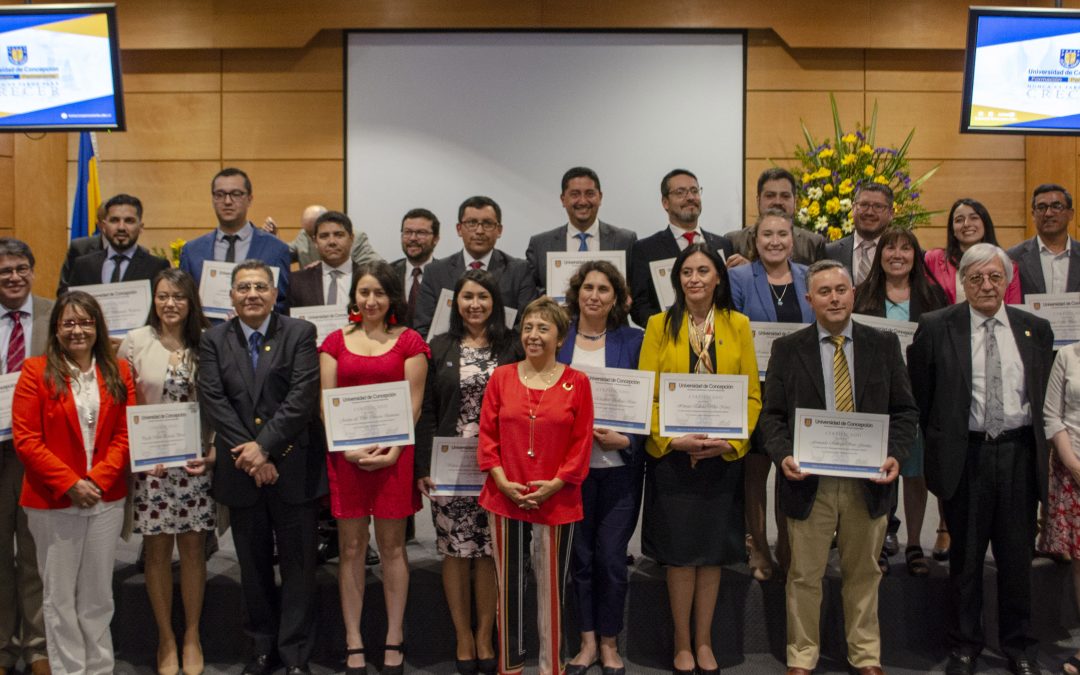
[(419, 237), (327, 283), (873, 213), (1049, 262), (776, 190)]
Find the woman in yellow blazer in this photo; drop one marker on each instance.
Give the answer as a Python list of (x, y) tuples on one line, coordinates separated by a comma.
[(693, 508)]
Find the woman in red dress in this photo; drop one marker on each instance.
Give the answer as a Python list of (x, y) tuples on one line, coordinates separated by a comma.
[(375, 481)]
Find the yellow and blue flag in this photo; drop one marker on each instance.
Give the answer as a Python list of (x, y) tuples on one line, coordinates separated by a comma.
[(87, 190)]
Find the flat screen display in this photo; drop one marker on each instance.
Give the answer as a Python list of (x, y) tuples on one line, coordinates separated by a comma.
[(59, 68)]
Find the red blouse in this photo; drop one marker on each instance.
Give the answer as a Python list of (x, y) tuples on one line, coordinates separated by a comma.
[(563, 436)]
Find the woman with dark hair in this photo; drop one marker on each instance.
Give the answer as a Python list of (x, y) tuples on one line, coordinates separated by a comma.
[(172, 506), (899, 288), (375, 481), (693, 519), (69, 420), (598, 302), (969, 224), (462, 361)]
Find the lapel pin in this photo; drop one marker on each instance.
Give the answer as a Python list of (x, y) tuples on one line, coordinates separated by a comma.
[(266, 348), (567, 386), (1027, 333)]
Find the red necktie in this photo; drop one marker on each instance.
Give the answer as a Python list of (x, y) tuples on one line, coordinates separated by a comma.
[(689, 237), (476, 264), (16, 349), (414, 293)]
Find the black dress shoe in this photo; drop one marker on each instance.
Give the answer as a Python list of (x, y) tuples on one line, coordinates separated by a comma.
[(892, 544), (487, 666), (261, 664), (465, 666), (1023, 666), (960, 664), (297, 670), (611, 670), (574, 669), (372, 558)]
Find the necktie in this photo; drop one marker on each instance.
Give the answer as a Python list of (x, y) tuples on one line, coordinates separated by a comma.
[(117, 259), (994, 421), (230, 254), (841, 377), (414, 294), (689, 237), (331, 295), (16, 349), (254, 342), (584, 237), (864, 262), (475, 265)]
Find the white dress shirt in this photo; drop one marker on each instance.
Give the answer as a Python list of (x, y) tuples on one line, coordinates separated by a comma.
[(344, 282), (406, 279), (84, 389), (1014, 396), (1055, 266), (469, 259), (243, 244), (107, 268), (592, 242), (27, 321), (680, 238)]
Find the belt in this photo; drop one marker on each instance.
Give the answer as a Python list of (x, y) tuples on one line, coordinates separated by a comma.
[(1007, 436)]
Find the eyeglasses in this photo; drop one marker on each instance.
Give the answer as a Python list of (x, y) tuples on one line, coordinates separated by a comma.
[(259, 287), (21, 270), (1056, 207), (221, 195), (472, 224), (419, 234), (876, 207), (996, 278), (679, 193), (69, 325), (177, 298)]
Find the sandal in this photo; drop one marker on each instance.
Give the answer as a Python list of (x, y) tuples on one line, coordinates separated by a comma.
[(355, 670), (1071, 662), (917, 563), (399, 669), (941, 546)]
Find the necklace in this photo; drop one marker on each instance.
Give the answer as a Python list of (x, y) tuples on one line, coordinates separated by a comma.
[(779, 298), (594, 338), (531, 452)]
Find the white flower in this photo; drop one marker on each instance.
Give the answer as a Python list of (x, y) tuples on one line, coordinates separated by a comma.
[(803, 216), (848, 227), (822, 223), (845, 205), (814, 194)]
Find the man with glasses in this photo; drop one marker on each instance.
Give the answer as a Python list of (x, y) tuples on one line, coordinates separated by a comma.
[(680, 195), (979, 371), (235, 237), (419, 237), (1049, 262), (479, 226), (873, 211)]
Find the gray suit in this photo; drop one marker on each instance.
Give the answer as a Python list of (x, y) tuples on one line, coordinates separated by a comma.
[(611, 239), (809, 247), (843, 251), (1026, 256)]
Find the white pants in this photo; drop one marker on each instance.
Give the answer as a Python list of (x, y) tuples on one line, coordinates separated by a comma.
[(75, 554)]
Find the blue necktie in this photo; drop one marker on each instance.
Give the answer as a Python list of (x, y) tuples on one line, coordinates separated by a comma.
[(254, 342), (583, 236)]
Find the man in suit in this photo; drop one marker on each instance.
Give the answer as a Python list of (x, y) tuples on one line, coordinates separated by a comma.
[(259, 390), (24, 330), (837, 365), (776, 190), (680, 195), (1049, 262), (327, 283), (479, 226), (873, 209), (581, 197), (80, 246), (419, 237), (235, 238), (979, 370), (121, 259)]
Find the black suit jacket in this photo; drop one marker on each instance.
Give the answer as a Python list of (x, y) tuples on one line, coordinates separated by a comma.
[(795, 380), (659, 246), (939, 361), (277, 405), (1026, 256), (843, 251), (86, 269), (611, 239), (76, 249), (306, 288)]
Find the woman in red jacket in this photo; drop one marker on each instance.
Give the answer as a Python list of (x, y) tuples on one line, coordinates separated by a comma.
[(69, 421), (536, 430)]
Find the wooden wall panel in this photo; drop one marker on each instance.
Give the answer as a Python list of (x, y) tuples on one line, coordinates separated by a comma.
[(39, 217), (770, 65), (283, 125), (7, 145), (176, 70), (283, 188), (936, 118), (7, 197), (908, 70), (318, 67), (999, 184), (772, 119), (164, 126), (1051, 159)]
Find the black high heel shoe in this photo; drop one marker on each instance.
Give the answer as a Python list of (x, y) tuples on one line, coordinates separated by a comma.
[(487, 666), (465, 666), (355, 670), (399, 669)]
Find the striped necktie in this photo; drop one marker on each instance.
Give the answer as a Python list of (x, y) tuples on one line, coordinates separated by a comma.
[(841, 377)]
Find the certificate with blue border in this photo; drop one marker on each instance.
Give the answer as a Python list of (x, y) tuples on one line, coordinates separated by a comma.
[(370, 414), (703, 404), (843, 444)]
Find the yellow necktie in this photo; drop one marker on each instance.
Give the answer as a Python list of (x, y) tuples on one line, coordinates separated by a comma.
[(841, 377)]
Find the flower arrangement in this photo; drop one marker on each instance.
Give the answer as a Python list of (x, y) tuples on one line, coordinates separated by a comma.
[(831, 171), (173, 254)]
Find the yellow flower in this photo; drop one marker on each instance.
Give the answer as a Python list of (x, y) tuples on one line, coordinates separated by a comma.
[(848, 159), (869, 171), (828, 188), (846, 187), (806, 178), (850, 138), (822, 173), (814, 209), (882, 180), (866, 149), (803, 203), (826, 153), (835, 233), (832, 206)]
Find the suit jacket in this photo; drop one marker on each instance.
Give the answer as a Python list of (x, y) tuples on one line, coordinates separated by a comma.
[(1026, 256), (809, 247), (752, 296), (77, 248), (795, 380), (659, 246), (515, 284), (143, 265), (49, 441), (265, 247), (939, 361), (843, 251), (306, 287), (277, 406), (611, 239)]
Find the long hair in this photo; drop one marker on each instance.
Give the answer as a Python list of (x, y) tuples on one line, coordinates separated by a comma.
[(498, 335), (952, 244), (617, 316), (196, 322), (57, 371), (391, 285), (721, 300), (870, 295)]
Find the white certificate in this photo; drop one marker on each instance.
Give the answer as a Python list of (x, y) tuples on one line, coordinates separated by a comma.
[(454, 468), (125, 304), (845, 444), (765, 333), (214, 287), (372, 414), (661, 281), (167, 433), (703, 404), (561, 265), (1062, 310), (7, 392), (327, 318), (622, 398), (903, 330), (440, 321)]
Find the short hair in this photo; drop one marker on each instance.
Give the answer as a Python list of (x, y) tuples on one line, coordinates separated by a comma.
[(252, 264), (231, 171), (333, 217), (775, 173), (391, 284), (617, 316), (825, 265), (426, 215), (769, 213), (478, 202), (952, 244), (580, 172), (196, 321), (124, 200), (548, 310), (1051, 187), (879, 188), (980, 254), (17, 248), (664, 190)]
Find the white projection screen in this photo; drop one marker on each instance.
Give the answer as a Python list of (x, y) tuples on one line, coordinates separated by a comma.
[(435, 117)]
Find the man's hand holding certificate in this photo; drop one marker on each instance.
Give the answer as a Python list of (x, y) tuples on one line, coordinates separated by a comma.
[(843, 444), (369, 423)]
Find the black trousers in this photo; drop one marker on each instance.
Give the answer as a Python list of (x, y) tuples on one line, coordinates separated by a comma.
[(994, 505)]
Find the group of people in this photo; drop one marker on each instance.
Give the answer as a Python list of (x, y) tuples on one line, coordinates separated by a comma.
[(981, 414)]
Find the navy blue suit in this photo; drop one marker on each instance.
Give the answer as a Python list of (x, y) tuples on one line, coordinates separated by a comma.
[(752, 296), (264, 247)]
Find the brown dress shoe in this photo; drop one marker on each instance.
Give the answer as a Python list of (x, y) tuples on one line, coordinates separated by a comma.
[(40, 667), (799, 671)]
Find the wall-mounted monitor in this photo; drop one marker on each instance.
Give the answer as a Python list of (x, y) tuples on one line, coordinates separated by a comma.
[(60, 68)]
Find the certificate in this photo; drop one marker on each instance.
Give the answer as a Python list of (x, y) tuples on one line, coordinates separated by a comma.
[(765, 333), (561, 265), (661, 281), (372, 414), (703, 404), (454, 468), (7, 392), (327, 318), (125, 304), (845, 444), (622, 398), (167, 433), (214, 287), (1062, 310), (903, 330), (440, 321)]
